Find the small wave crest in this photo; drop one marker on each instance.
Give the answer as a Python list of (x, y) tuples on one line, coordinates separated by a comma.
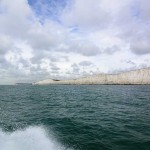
[(32, 138)]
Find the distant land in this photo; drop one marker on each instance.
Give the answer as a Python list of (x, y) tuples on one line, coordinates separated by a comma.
[(140, 76), (23, 83)]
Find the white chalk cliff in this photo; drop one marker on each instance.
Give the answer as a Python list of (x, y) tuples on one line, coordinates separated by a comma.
[(141, 76)]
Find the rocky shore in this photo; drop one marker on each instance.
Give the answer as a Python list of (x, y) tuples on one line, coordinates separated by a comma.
[(141, 76)]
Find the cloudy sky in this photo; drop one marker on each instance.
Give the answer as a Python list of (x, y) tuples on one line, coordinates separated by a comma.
[(42, 39)]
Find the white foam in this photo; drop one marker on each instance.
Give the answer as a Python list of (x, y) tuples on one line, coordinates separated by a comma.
[(32, 138)]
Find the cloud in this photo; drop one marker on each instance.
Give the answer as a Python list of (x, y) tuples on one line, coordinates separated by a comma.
[(130, 62), (140, 45), (16, 19), (144, 10), (85, 63), (75, 69), (111, 50), (86, 14), (55, 68), (5, 44), (81, 47), (86, 49)]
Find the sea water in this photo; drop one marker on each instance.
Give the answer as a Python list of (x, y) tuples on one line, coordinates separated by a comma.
[(75, 117)]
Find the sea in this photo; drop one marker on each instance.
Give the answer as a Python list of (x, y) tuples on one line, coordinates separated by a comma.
[(75, 117)]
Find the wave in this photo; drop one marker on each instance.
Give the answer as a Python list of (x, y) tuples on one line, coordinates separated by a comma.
[(32, 138)]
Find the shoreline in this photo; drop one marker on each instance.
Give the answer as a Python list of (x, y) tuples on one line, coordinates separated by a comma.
[(134, 77)]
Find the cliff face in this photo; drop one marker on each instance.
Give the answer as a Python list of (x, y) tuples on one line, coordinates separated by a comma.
[(141, 76)]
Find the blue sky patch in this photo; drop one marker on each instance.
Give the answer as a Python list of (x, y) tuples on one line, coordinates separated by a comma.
[(45, 9)]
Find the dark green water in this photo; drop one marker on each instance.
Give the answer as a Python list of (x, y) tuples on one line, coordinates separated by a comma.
[(95, 117)]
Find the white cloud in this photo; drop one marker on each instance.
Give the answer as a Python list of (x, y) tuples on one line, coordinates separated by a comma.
[(5, 44), (16, 19), (87, 14)]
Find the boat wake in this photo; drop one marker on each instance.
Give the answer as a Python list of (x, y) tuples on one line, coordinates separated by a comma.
[(32, 138)]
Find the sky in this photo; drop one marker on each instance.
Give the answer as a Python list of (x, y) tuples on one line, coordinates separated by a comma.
[(63, 39)]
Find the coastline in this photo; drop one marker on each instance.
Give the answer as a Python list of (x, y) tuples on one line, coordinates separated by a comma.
[(134, 77)]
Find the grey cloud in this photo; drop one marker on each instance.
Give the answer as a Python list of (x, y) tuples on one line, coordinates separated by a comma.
[(54, 67), (140, 45), (111, 50), (2, 60), (74, 65), (144, 6), (38, 56), (54, 72), (40, 40), (25, 63), (85, 63), (88, 50), (52, 57), (5, 44), (81, 47), (130, 62), (75, 69), (38, 70), (65, 58)]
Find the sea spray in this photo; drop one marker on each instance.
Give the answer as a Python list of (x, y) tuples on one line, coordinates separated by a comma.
[(31, 138)]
